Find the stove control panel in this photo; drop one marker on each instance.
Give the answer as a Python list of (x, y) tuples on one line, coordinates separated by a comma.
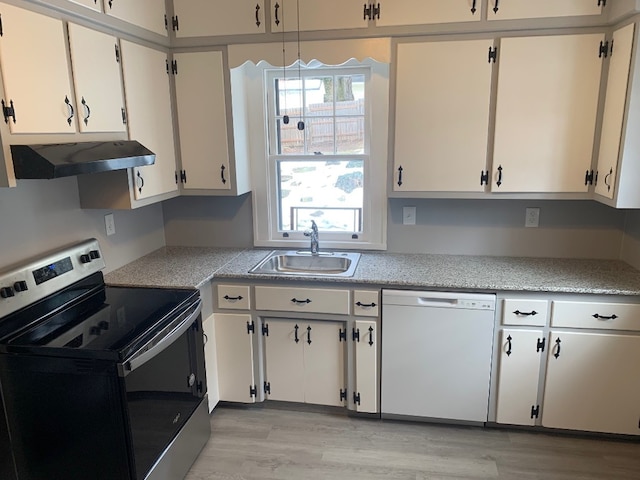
[(33, 280)]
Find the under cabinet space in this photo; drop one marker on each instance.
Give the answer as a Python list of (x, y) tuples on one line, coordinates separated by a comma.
[(524, 312), (366, 303), (315, 300), (236, 297), (609, 316)]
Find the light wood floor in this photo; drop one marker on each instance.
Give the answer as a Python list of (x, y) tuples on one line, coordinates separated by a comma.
[(273, 443)]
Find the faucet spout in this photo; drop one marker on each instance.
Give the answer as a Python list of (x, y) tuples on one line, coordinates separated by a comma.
[(313, 235)]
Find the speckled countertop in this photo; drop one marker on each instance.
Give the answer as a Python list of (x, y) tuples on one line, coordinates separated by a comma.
[(192, 267)]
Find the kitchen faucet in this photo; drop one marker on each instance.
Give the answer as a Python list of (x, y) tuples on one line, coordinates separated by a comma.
[(313, 233)]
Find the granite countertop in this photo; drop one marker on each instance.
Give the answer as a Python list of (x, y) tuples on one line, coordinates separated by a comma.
[(193, 267)]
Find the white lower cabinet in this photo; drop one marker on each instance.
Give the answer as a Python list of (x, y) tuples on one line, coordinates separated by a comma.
[(305, 361), (519, 372), (593, 382)]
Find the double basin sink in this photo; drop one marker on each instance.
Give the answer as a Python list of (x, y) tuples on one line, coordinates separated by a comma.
[(304, 263)]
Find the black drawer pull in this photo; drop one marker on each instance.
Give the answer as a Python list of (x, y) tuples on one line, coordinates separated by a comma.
[(227, 297), (602, 317), (300, 302), (366, 305), (526, 314)]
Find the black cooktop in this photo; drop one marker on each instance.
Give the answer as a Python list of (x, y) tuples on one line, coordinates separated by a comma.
[(91, 319)]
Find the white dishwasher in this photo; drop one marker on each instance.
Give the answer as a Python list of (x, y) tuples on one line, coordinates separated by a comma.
[(436, 354)]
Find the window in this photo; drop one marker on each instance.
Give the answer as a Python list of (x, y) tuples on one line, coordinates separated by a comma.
[(320, 160)]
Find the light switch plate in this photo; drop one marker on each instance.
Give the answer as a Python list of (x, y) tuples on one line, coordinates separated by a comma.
[(408, 215), (110, 224), (532, 218)]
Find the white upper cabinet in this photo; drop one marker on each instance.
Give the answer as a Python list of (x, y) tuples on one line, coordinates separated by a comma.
[(39, 106), (546, 110), (200, 18), (442, 116), (418, 12), (325, 15), (148, 100), (98, 83), (517, 9), (92, 4), (148, 14), (202, 120), (614, 111)]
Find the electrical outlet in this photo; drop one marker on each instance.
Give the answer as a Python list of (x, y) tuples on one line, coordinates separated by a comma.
[(408, 215), (532, 218), (110, 224)]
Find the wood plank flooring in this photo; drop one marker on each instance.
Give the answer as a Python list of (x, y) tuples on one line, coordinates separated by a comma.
[(253, 443)]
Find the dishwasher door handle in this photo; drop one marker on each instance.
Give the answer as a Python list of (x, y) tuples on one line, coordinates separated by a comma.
[(436, 302)]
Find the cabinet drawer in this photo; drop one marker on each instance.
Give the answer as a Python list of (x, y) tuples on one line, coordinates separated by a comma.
[(609, 316), (366, 303), (315, 300), (517, 311), (236, 297)]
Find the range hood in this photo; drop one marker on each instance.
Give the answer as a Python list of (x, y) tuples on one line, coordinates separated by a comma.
[(66, 159)]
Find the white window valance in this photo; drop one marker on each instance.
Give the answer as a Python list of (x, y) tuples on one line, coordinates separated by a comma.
[(328, 52)]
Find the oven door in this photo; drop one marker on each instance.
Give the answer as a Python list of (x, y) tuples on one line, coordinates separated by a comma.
[(164, 384)]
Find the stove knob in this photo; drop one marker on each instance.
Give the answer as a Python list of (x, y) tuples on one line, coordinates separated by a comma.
[(6, 292), (20, 286), (104, 325), (85, 258), (95, 330), (94, 254)]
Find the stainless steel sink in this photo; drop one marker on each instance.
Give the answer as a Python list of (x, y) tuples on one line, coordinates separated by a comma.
[(301, 263)]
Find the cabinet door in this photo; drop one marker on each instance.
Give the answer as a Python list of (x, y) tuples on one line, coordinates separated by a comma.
[(202, 119), (200, 18), (514, 9), (323, 363), (148, 14), (614, 108), (38, 89), (148, 101), (593, 383), (325, 15), (366, 366), (546, 111), (416, 12), (285, 371), (211, 361), (98, 83), (92, 4), (442, 116), (520, 357), (234, 355)]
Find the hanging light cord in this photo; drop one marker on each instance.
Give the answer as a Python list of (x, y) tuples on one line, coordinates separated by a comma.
[(301, 122), (285, 118)]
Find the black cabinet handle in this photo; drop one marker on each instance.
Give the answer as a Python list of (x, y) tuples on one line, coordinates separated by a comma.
[(499, 182), (85, 105), (110, 3), (257, 14), (365, 305), (371, 336), (509, 345), (71, 110), (606, 179), (558, 342), (309, 335), (602, 317), (473, 7), (141, 182), (277, 8), (496, 6), (299, 302), (227, 297), (295, 335), (532, 313), (222, 169), (400, 176)]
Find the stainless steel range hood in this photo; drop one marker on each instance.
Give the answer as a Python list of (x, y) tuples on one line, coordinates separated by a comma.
[(67, 159)]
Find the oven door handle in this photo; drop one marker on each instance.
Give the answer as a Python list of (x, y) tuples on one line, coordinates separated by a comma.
[(182, 326)]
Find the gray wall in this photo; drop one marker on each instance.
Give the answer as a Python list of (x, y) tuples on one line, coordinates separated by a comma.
[(41, 215), (631, 242)]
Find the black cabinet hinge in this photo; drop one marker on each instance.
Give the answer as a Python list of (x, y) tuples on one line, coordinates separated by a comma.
[(535, 411), (371, 11), (166, 22), (603, 51), (176, 172), (167, 62), (253, 390), (117, 54), (541, 344), (251, 327), (493, 54), (267, 388), (183, 176), (355, 335), (343, 395), (343, 335), (8, 111), (376, 11), (484, 177), (175, 25), (588, 177), (265, 329), (356, 398), (174, 67)]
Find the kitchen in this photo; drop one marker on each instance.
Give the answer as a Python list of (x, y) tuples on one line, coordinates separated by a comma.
[(39, 215)]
